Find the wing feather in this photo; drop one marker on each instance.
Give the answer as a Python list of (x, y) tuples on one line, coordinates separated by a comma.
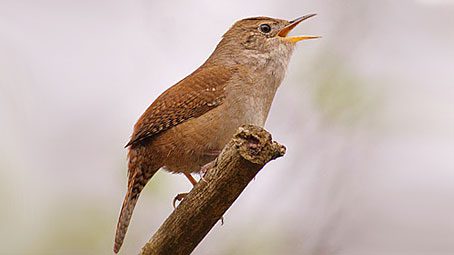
[(192, 97)]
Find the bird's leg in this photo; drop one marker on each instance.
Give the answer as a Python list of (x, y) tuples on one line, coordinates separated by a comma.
[(191, 179), (205, 168), (181, 196)]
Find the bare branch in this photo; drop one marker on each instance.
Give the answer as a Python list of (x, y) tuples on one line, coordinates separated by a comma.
[(241, 159)]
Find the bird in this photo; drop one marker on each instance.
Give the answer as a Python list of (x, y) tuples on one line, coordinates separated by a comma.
[(186, 127)]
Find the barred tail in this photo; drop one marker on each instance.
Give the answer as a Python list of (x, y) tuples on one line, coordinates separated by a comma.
[(125, 217), (137, 181)]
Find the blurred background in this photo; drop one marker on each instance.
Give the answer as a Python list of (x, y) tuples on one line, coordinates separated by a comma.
[(366, 113)]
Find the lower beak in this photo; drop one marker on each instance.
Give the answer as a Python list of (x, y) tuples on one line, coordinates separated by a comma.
[(284, 32)]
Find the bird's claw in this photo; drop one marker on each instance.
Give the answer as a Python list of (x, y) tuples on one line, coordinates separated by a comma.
[(205, 168), (179, 198)]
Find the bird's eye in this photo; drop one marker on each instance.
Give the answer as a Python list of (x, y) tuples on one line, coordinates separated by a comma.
[(265, 28)]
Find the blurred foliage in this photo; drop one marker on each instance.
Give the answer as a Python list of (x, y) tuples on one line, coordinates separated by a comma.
[(260, 243), (160, 184), (3, 190), (76, 227), (7, 190), (341, 94)]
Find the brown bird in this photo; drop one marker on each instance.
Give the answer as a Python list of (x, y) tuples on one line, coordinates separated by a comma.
[(187, 126)]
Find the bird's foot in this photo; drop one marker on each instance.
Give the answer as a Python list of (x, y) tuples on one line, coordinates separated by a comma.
[(182, 196), (178, 198), (205, 168)]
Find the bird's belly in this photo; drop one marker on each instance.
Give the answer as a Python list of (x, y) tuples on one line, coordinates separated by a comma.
[(196, 142)]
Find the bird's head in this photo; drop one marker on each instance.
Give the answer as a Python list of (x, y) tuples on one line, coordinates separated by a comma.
[(262, 36)]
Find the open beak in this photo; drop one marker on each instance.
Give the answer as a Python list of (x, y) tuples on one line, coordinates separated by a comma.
[(284, 32)]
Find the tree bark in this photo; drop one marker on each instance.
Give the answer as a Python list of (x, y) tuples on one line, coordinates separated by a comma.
[(240, 160)]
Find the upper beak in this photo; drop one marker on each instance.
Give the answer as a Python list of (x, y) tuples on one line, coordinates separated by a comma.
[(283, 33)]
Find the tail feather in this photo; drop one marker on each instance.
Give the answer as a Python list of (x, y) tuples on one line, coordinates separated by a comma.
[(137, 181), (125, 217)]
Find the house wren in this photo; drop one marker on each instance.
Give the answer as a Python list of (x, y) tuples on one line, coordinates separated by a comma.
[(187, 126)]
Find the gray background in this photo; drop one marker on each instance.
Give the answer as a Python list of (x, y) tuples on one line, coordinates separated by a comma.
[(366, 113)]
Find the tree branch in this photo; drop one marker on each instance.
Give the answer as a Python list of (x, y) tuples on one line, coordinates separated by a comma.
[(241, 159)]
